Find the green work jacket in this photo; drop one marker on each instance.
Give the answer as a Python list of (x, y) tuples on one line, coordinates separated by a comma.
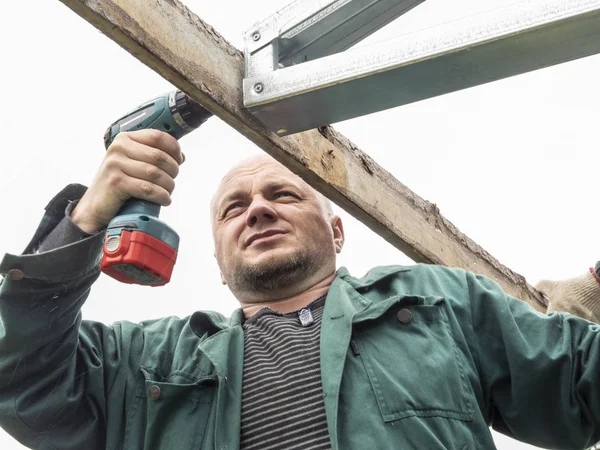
[(419, 357)]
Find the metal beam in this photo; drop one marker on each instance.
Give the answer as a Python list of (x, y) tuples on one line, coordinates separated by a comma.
[(522, 37), (310, 29), (176, 43)]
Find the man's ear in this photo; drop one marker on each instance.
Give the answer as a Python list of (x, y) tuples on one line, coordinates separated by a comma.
[(338, 233)]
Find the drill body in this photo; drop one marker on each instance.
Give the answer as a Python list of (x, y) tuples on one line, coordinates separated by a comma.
[(139, 248)]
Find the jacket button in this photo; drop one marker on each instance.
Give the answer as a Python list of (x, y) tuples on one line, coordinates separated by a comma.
[(15, 274), (404, 315), (154, 393)]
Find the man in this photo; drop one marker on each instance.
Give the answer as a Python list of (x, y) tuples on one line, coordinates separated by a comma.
[(419, 357)]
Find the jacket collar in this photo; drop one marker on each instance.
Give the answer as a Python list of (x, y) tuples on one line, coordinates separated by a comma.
[(208, 323), (372, 277)]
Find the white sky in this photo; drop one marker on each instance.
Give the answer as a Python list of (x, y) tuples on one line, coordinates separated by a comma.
[(513, 164)]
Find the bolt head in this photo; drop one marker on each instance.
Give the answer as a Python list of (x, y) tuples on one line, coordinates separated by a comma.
[(255, 36), (258, 88)]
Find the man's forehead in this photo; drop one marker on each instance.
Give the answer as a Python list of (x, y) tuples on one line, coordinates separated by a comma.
[(261, 167), (243, 186), (257, 166)]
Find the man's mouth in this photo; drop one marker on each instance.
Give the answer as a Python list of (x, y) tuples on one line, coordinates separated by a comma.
[(267, 236)]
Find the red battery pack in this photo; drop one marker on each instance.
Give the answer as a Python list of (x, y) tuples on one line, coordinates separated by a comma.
[(135, 257)]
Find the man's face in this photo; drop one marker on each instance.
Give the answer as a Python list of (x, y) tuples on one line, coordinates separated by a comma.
[(271, 229)]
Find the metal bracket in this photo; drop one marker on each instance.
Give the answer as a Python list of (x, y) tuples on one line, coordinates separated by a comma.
[(299, 74)]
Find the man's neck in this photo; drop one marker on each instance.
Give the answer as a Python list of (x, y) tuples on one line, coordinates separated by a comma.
[(291, 303)]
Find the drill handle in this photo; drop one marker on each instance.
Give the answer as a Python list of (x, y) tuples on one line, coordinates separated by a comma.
[(139, 207)]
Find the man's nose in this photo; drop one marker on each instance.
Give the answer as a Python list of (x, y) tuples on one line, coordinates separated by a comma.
[(260, 210)]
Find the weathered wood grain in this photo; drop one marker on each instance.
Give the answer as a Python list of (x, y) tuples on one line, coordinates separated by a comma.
[(172, 40)]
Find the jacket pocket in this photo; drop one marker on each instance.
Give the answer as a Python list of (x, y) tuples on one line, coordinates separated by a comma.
[(171, 413), (413, 363)]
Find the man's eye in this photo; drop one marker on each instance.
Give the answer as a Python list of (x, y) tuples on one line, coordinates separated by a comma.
[(283, 194), (232, 207)]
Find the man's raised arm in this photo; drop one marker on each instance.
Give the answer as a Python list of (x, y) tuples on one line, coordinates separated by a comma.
[(57, 372)]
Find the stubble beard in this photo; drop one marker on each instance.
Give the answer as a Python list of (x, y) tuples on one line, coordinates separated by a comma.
[(275, 274)]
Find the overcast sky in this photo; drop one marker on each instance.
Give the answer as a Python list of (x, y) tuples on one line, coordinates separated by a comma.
[(513, 163)]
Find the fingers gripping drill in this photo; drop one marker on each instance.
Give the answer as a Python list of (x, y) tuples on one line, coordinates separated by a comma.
[(139, 248)]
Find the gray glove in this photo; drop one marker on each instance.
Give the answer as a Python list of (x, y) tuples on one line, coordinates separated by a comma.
[(579, 296)]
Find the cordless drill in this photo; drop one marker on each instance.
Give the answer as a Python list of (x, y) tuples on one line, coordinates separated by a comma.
[(139, 248)]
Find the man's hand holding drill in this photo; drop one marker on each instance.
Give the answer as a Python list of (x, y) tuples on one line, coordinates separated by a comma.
[(142, 164)]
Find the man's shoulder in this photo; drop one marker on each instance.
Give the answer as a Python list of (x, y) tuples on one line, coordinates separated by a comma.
[(427, 281), (414, 275)]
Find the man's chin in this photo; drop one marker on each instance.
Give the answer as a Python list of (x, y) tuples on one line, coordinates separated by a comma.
[(271, 270), (269, 256)]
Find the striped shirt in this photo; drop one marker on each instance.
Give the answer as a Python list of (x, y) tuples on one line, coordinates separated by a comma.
[(282, 395)]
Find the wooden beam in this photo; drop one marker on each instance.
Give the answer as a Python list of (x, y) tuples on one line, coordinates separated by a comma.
[(176, 43)]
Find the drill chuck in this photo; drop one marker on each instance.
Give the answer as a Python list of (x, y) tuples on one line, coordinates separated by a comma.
[(188, 114)]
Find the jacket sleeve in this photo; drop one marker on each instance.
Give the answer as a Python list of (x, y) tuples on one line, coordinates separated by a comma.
[(539, 373), (54, 372)]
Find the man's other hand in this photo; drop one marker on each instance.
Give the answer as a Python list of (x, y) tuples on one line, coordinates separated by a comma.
[(579, 296), (141, 164)]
